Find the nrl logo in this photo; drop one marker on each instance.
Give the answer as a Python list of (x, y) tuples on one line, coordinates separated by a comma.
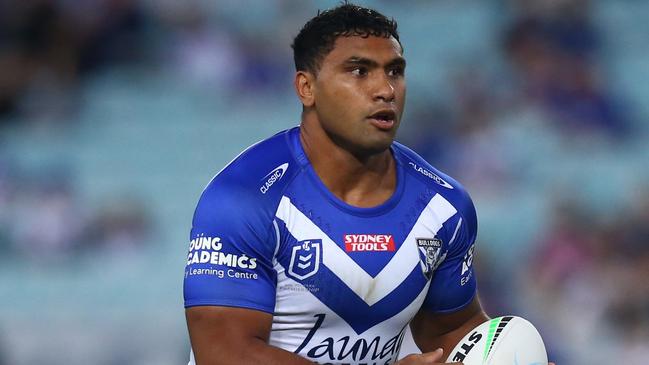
[(430, 256), (305, 259)]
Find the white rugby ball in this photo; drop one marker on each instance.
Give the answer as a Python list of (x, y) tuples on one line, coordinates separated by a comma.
[(507, 340)]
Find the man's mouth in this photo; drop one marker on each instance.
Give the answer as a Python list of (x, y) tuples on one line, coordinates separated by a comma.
[(383, 119)]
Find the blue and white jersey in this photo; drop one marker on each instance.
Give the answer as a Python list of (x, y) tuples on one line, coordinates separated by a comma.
[(341, 282)]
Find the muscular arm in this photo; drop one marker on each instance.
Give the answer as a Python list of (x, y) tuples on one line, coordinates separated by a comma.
[(434, 330), (226, 335)]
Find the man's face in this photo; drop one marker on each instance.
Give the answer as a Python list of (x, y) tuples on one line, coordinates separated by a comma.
[(360, 91)]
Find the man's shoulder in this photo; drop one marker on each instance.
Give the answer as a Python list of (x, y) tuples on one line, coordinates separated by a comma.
[(257, 158), (418, 166), (257, 176), (434, 179)]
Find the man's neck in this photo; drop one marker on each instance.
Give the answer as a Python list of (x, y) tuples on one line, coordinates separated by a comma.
[(359, 180)]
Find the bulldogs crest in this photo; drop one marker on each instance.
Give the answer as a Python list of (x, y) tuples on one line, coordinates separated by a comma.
[(430, 255)]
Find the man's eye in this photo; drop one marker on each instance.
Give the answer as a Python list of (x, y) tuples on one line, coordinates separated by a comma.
[(359, 71), (399, 71)]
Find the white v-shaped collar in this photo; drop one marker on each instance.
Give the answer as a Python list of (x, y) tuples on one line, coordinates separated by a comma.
[(370, 289)]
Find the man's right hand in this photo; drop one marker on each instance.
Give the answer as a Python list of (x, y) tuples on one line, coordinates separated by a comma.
[(428, 358)]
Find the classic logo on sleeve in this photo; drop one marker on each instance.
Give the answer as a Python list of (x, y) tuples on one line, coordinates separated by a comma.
[(430, 256), (273, 177), (305, 259), (369, 242), (431, 175)]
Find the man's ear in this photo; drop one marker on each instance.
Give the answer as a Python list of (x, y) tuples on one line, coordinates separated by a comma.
[(304, 87)]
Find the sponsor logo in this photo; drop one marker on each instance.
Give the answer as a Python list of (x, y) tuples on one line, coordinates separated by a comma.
[(465, 279), (467, 261), (430, 256), (496, 326), (204, 250), (431, 175), (369, 242), (467, 346), (345, 350), (273, 177), (220, 273), (305, 259)]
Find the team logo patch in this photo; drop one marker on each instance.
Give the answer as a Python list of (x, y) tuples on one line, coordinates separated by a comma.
[(305, 259), (369, 242), (430, 256)]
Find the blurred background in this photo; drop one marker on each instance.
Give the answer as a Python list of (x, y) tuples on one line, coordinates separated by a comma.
[(114, 114)]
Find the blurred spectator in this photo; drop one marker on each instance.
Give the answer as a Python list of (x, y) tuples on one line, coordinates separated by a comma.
[(42, 220), (628, 311), (120, 226), (555, 52), (428, 127), (636, 232), (567, 247), (201, 52), (478, 150), (45, 46), (586, 281), (266, 71), (37, 44), (463, 136), (47, 221), (112, 32)]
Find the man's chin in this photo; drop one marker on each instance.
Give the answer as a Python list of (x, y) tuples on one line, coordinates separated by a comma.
[(379, 142), (370, 144), (375, 147)]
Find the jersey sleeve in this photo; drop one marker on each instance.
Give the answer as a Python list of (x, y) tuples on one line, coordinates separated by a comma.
[(230, 260), (453, 285)]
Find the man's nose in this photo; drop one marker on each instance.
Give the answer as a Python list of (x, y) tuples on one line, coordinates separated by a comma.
[(383, 88)]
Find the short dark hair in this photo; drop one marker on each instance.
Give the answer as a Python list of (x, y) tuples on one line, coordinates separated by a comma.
[(316, 39)]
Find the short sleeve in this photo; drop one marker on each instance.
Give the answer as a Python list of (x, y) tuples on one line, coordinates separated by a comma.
[(230, 259), (453, 285)]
